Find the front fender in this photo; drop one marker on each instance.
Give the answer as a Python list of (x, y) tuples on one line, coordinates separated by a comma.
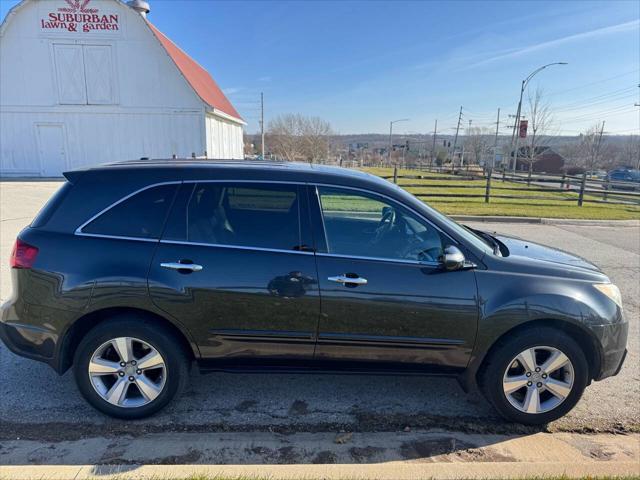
[(509, 302)]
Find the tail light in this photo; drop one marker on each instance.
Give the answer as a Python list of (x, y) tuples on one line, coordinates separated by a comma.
[(23, 255)]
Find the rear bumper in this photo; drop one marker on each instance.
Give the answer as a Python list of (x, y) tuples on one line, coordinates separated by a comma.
[(28, 341)]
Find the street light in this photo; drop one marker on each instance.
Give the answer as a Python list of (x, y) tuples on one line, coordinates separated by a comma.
[(525, 82), (391, 134)]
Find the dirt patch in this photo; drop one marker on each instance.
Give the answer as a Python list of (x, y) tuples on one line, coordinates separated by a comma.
[(364, 422), (592, 449), (191, 457), (365, 454), (325, 457), (421, 449), (299, 407)]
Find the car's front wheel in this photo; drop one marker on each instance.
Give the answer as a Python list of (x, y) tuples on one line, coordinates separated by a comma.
[(536, 376), (127, 369)]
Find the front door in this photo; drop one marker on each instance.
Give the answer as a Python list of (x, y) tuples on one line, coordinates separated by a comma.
[(51, 149), (234, 266), (385, 298)]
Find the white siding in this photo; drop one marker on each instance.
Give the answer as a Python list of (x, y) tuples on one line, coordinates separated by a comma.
[(113, 95), (224, 138), (98, 138)]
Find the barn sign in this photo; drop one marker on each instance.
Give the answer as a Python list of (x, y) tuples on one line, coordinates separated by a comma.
[(79, 16)]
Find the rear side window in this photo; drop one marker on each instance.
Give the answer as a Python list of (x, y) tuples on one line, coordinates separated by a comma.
[(236, 214), (139, 216), (51, 206)]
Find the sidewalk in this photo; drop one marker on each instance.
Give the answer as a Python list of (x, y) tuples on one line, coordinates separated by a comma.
[(382, 455)]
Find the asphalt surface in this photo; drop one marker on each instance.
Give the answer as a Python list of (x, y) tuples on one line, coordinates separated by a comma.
[(36, 403)]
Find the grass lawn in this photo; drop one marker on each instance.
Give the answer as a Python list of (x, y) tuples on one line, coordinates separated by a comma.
[(553, 206)]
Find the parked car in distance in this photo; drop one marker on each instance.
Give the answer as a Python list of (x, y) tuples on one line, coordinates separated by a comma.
[(134, 270), (624, 179)]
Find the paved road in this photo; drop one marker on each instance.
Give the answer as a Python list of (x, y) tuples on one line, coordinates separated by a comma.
[(35, 402)]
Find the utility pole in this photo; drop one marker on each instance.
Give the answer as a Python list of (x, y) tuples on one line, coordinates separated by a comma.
[(455, 139), (433, 148), (495, 143), (391, 135), (262, 123)]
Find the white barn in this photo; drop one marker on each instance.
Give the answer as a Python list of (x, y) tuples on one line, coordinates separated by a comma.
[(92, 81)]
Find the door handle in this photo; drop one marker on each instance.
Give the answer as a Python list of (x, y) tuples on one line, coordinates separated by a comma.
[(182, 266), (353, 280)]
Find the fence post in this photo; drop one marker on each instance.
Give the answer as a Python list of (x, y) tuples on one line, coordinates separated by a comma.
[(606, 188), (395, 174), (504, 170), (487, 191), (582, 185), (564, 175)]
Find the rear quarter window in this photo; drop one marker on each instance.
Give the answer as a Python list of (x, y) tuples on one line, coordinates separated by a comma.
[(140, 216), (51, 206)]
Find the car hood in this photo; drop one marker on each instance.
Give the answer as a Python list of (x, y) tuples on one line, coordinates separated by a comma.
[(534, 251)]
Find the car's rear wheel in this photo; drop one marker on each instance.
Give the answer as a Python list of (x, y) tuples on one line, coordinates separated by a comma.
[(536, 376), (128, 369)]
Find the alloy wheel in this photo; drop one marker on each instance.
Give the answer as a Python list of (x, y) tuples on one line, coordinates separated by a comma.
[(538, 379), (127, 372)]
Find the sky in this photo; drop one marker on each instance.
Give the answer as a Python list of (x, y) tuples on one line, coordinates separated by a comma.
[(360, 65)]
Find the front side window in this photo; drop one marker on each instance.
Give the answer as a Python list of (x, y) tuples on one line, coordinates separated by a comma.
[(359, 224), (238, 214), (139, 216)]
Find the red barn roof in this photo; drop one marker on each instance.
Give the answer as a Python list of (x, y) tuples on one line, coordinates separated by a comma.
[(199, 79)]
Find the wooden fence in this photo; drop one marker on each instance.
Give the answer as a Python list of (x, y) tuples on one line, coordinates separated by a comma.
[(578, 189)]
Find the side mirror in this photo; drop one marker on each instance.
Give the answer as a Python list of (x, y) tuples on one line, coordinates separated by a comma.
[(452, 258)]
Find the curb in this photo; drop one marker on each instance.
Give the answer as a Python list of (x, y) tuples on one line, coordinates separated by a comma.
[(384, 471), (545, 221)]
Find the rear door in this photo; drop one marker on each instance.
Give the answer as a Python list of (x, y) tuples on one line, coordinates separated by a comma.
[(236, 268)]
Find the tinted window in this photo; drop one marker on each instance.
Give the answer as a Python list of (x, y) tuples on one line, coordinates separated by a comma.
[(51, 206), (248, 215), (358, 224), (140, 216)]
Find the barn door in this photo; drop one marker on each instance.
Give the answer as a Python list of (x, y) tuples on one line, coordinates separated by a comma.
[(99, 74), (70, 74), (51, 149)]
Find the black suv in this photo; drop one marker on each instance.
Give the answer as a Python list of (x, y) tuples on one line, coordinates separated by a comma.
[(135, 269)]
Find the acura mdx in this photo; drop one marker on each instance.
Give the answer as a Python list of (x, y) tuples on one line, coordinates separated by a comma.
[(134, 270)]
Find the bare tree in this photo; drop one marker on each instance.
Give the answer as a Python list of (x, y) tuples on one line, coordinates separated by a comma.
[(540, 126), (477, 143), (315, 138), (590, 147), (630, 154), (283, 135), (296, 137)]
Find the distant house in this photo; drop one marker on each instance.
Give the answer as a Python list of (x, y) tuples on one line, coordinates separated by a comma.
[(92, 81), (547, 160)]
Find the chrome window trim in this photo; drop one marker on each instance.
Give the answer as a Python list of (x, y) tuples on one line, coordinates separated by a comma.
[(238, 247), (116, 237), (380, 259), (79, 231)]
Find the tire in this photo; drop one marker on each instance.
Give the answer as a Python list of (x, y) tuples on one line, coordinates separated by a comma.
[(161, 383), (501, 371)]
